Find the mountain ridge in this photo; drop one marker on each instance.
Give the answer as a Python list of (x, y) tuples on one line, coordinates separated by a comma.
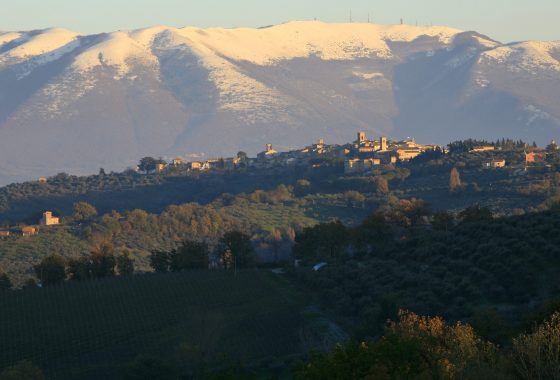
[(76, 102)]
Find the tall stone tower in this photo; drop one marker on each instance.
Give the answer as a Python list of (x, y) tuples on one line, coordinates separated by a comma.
[(361, 137), (383, 143)]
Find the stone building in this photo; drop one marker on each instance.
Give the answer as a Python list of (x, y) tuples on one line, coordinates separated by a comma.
[(49, 220)]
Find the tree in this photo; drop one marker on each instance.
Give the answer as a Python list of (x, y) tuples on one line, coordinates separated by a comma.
[(275, 239), (381, 185), (302, 188), (454, 180), (537, 355), (125, 264), (83, 211), (373, 232), (413, 347), (324, 241), (242, 156), (51, 270), (24, 370), (475, 214), (5, 282), (236, 250), (160, 261), (103, 260), (80, 268), (147, 164), (190, 255), (442, 221), (428, 155), (354, 198)]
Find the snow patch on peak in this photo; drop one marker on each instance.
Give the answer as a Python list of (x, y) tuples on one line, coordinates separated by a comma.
[(6, 37), (44, 42), (528, 56), (117, 50), (301, 39), (239, 92)]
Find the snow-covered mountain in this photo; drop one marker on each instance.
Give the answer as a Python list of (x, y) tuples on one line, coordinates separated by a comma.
[(75, 103)]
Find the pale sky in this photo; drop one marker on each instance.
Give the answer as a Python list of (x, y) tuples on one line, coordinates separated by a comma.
[(503, 20)]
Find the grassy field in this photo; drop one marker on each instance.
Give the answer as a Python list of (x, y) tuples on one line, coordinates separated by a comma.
[(92, 330)]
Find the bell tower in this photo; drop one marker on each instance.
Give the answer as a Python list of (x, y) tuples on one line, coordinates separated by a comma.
[(361, 137), (383, 143)]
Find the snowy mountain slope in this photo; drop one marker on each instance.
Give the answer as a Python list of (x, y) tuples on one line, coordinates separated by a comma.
[(71, 102)]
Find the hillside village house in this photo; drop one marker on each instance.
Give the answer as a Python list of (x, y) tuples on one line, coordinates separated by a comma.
[(213, 163), (535, 157), (269, 152), (359, 165), (486, 148), (195, 165), (408, 154), (4, 233), (496, 163), (29, 231), (49, 220), (177, 161), (318, 148), (160, 167), (42, 179)]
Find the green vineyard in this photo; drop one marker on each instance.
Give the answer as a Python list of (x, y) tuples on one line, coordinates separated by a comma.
[(93, 330)]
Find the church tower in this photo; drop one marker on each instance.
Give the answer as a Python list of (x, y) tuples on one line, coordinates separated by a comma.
[(383, 143), (361, 137)]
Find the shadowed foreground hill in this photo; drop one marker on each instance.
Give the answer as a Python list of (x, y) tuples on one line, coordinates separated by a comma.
[(93, 330)]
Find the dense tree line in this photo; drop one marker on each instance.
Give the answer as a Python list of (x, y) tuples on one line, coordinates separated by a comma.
[(102, 262), (233, 250), (457, 266), (415, 347)]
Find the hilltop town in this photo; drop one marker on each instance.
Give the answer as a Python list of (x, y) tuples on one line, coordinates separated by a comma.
[(358, 156)]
